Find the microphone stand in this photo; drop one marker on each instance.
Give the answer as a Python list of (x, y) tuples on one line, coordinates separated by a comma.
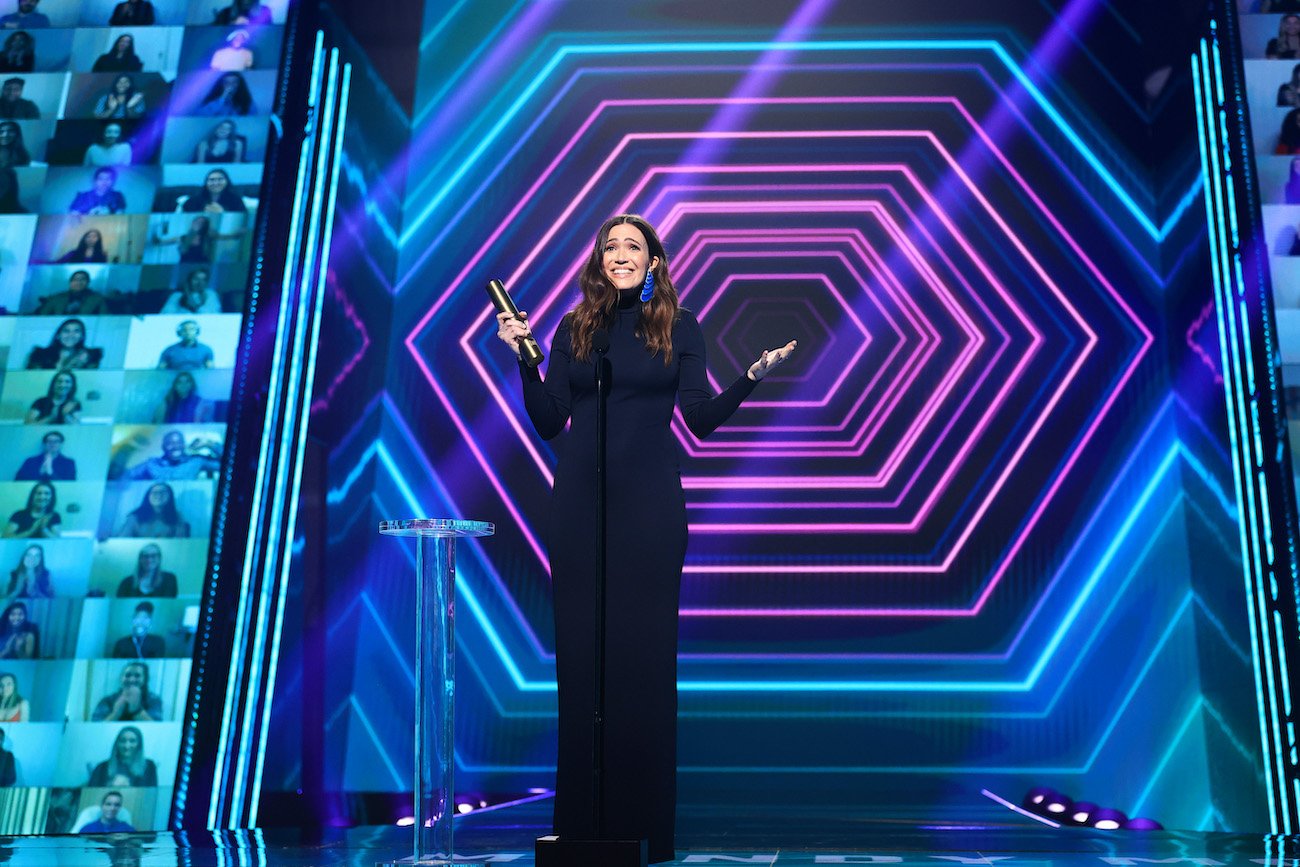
[(554, 851)]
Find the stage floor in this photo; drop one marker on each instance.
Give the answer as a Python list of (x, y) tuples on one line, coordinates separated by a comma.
[(980, 835)]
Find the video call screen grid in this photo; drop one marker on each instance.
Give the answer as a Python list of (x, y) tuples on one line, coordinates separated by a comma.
[(132, 140)]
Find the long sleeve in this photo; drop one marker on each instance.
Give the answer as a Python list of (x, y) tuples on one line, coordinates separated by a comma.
[(548, 401), (703, 411)]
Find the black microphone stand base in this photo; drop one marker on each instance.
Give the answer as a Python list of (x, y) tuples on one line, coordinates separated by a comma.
[(553, 851)]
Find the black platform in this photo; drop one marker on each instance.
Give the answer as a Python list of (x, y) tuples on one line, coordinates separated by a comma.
[(978, 835)]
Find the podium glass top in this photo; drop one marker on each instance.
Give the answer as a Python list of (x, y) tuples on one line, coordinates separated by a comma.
[(443, 527)]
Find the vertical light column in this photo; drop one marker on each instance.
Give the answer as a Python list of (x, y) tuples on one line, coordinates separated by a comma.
[(1247, 342)]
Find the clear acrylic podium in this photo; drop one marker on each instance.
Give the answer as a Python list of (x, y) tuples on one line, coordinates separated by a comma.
[(435, 679)]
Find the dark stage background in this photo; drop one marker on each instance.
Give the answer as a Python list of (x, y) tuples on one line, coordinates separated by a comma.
[(980, 533)]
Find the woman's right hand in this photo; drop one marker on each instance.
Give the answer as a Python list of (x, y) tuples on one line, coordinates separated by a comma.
[(513, 329)]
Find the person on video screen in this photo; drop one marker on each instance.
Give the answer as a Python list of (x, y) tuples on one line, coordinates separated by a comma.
[(228, 96), (13, 106), (25, 18), (130, 12), (78, 299), (133, 702), (141, 643), (236, 56), (39, 519), (121, 100), (102, 198), (20, 638), (13, 707), (110, 150), (198, 244), (242, 12), (177, 463), (187, 353), (217, 196), (183, 404), (9, 203), (222, 144), (121, 57), (13, 150), (195, 296), (127, 759), (50, 465), (59, 405), (89, 250), (157, 518), (107, 822), (18, 52), (30, 579)]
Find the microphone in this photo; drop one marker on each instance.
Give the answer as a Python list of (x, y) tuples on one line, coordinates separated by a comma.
[(529, 351), (600, 341)]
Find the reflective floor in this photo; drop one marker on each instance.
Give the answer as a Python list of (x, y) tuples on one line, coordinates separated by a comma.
[(980, 835)]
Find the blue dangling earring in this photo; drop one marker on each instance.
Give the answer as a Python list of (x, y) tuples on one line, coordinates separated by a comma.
[(649, 290)]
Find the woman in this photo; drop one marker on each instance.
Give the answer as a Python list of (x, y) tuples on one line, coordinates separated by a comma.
[(656, 349), (13, 707), (242, 12), (193, 297), (1288, 92), (156, 517), (120, 58), (13, 152), (130, 12), (30, 579), (149, 580), (9, 203), (133, 701), (216, 196), (199, 243), (236, 56), (229, 95), (38, 519), (67, 350), (89, 249), (1291, 192), (121, 100), (60, 404), (18, 53), (183, 405), (127, 759), (19, 637), (110, 150), (1286, 46), (1288, 138), (222, 144)]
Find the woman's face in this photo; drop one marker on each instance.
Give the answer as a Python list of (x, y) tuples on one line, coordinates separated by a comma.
[(216, 183), (225, 129), (91, 238), (128, 745), (7, 686), (229, 84), (20, 41), (33, 557), (17, 617), (41, 497), (184, 385), (122, 84), (1290, 25), (8, 133), (62, 385), (626, 257), (123, 44), (71, 334), (159, 496), (150, 557)]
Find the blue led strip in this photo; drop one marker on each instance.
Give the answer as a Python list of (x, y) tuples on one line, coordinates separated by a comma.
[(274, 497), (1261, 497), (334, 122)]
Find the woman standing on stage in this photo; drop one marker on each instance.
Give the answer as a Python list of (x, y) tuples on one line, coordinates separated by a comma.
[(656, 356)]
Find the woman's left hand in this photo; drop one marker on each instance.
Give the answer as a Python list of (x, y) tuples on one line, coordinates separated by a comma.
[(769, 360)]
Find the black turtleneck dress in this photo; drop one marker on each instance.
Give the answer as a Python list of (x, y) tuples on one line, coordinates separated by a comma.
[(646, 527)]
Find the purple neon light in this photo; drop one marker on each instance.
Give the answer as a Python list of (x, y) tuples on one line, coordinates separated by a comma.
[(1106, 406), (750, 323)]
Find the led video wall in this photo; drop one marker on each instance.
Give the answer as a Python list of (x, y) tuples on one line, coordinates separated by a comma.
[(132, 142), (1271, 51)]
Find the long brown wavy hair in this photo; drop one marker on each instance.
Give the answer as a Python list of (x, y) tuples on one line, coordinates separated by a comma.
[(599, 297)]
